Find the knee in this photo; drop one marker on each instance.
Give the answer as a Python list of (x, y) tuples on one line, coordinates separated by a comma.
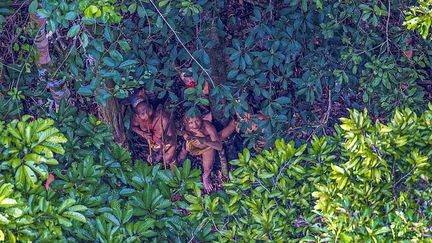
[(206, 173)]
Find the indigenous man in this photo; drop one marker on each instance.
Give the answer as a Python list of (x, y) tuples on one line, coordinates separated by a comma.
[(157, 129), (201, 138)]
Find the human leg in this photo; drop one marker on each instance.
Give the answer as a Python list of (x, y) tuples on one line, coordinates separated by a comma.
[(183, 153), (169, 157), (208, 159)]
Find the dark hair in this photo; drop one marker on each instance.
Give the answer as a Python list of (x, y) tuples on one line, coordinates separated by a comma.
[(194, 112), (186, 117), (144, 106), (136, 101)]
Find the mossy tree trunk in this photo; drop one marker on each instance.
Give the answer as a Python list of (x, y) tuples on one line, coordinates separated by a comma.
[(113, 115), (219, 75), (218, 71)]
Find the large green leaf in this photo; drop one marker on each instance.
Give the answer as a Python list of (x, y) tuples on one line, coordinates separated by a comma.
[(73, 31), (30, 176), (66, 203), (75, 215)]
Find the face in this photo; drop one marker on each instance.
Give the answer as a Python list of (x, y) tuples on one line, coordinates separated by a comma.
[(144, 112), (193, 122)]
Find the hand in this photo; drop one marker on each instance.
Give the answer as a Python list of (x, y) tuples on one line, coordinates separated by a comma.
[(186, 136), (214, 144), (150, 159), (203, 140)]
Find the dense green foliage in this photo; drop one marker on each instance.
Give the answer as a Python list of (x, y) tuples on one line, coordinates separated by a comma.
[(103, 198), (419, 17), (301, 63), (287, 60), (369, 182), (28, 211)]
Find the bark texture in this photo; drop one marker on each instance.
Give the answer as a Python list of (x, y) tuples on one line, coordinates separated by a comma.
[(219, 74), (113, 115), (41, 41)]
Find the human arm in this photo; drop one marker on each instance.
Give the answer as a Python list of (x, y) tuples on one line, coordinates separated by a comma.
[(137, 129), (214, 137), (169, 129)]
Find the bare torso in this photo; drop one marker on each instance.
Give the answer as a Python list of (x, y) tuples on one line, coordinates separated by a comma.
[(155, 126), (196, 135)]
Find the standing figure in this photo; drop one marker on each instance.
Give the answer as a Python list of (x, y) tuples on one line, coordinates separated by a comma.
[(201, 138), (157, 129)]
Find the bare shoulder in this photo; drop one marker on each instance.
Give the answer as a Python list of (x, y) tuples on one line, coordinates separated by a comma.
[(164, 117), (208, 126), (135, 120), (164, 114), (160, 108)]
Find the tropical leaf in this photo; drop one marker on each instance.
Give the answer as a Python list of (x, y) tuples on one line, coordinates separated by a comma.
[(75, 215)]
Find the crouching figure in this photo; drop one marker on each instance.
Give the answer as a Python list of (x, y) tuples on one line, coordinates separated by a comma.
[(159, 131), (202, 139)]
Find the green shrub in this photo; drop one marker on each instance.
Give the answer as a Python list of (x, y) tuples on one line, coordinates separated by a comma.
[(369, 182), (98, 194), (419, 18), (376, 187), (126, 201), (287, 58), (29, 212)]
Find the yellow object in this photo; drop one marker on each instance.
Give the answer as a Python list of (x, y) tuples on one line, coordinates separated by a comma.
[(195, 147), (150, 147)]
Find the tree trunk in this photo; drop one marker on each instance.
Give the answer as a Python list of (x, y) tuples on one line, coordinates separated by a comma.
[(219, 75), (57, 88), (41, 41), (2, 79), (218, 71), (113, 115)]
